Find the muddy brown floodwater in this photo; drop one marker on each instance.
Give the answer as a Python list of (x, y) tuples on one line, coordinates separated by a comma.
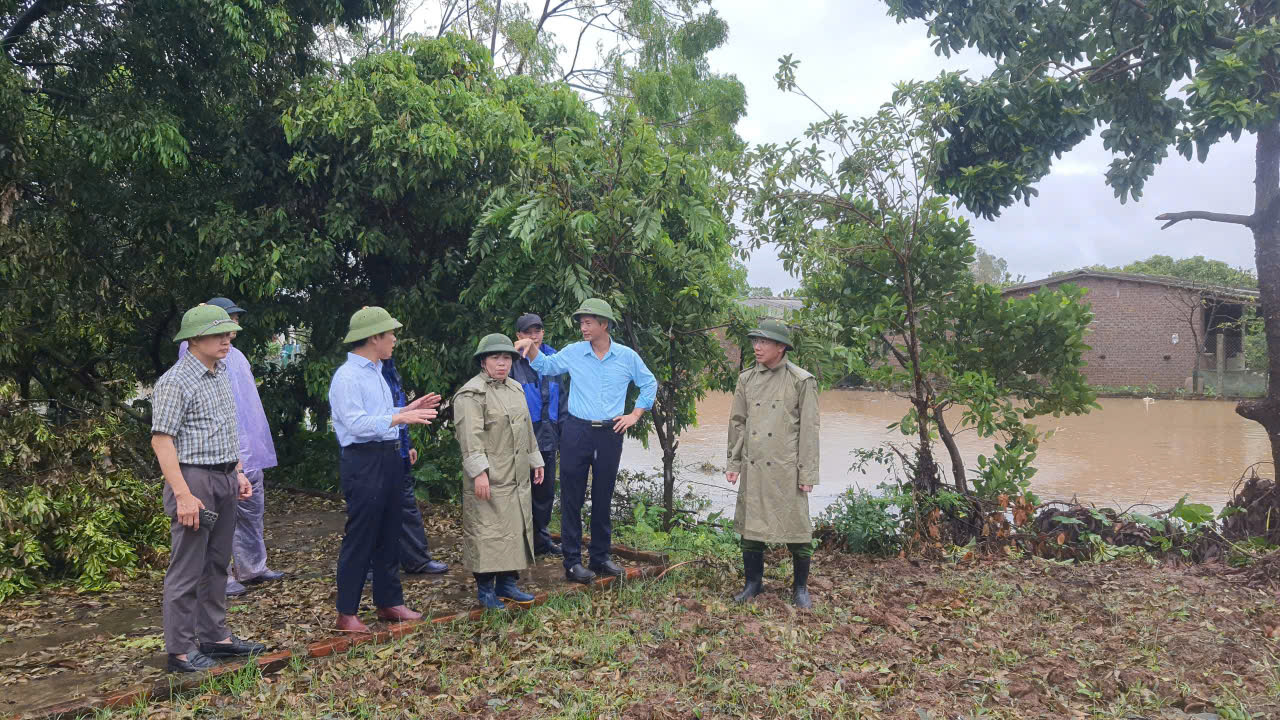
[(1130, 451)]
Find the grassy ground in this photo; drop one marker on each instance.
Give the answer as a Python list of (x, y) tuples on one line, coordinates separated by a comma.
[(887, 639)]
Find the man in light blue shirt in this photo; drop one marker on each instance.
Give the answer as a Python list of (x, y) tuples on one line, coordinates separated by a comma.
[(367, 424), (600, 371)]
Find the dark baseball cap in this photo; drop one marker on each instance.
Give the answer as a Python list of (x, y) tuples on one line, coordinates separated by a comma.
[(527, 321)]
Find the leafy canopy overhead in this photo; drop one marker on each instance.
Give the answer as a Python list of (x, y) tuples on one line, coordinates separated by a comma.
[(1157, 74)]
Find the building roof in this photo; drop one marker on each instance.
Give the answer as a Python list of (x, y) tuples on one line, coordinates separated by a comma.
[(773, 302), (1214, 291)]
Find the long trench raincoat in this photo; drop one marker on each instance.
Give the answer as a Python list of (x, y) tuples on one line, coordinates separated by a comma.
[(773, 444), (496, 434)]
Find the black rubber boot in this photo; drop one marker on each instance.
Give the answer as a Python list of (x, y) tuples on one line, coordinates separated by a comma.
[(800, 585), (753, 563)]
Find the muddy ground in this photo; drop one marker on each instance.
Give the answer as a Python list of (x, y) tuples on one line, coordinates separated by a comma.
[(1020, 638), (982, 638), (60, 644)]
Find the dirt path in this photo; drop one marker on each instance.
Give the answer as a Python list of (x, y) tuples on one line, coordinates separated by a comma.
[(61, 644)]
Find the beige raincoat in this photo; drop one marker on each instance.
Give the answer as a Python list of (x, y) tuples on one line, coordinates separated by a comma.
[(773, 444), (496, 434)]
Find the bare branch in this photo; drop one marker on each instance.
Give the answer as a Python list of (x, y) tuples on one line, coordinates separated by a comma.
[(493, 37), (1177, 217), (31, 16)]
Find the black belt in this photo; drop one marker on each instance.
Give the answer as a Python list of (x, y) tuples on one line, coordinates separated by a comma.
[(375, 445), (214, 467), (592, 423)]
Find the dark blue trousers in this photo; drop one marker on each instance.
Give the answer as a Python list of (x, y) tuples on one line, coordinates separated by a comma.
[(582, 448), (373, 485), (414, 552), (544, 498)]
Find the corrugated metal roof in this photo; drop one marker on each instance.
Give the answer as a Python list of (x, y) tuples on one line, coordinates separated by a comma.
[(773, 305)]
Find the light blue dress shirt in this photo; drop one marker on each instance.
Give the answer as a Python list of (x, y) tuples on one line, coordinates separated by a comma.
[(598, 387), (360, 402)]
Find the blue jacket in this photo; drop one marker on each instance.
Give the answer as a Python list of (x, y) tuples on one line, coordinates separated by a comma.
[(548, 400), (398, 397)]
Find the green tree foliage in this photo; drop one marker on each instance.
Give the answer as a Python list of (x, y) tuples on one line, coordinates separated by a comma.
[(72, 506), (884, 261), (1064, 69), (617, 213), (127, 125), (1196, 269), (991, 269)]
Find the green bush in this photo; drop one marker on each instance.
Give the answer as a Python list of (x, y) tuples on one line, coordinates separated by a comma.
[(861, 522), (637, 512), (307, 459), (74, 504)]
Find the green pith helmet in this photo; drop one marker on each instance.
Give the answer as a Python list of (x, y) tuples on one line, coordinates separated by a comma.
[(775, 330), (495, 343), (369, 321), (205, 320), (597, 307)]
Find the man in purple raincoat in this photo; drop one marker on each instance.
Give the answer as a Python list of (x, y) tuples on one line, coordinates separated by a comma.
[(258, 452)]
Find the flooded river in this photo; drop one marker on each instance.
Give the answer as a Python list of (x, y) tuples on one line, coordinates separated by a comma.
[(1128, 452)]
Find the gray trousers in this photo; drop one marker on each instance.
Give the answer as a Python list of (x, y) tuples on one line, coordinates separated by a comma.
[(248, 549), (195, 586)]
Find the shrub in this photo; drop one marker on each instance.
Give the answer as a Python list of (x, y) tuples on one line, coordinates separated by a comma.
[(74, 504), (861, 522)]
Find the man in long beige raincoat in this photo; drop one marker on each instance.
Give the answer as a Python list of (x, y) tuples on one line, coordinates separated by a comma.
[(499, 449), (773, 450)]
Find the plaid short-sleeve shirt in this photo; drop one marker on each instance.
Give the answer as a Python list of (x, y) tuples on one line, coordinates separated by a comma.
[(194, 404)]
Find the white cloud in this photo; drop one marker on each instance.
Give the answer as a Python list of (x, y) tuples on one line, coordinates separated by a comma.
[(852, 53)]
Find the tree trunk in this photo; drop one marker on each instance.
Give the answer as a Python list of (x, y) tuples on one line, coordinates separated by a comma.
[(662, 427), (925, 478), (1266, 244), (957, 460)]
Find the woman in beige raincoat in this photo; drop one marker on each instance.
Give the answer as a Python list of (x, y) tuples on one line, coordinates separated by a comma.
[(498, 450), (773, 449)]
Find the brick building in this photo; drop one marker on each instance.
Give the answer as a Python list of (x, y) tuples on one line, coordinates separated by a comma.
[(1147, 330)]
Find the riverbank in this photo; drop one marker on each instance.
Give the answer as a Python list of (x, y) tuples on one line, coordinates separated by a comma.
[(887, 639)]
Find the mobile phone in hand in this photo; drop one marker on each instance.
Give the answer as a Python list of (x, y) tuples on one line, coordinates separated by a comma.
[(208, 518)]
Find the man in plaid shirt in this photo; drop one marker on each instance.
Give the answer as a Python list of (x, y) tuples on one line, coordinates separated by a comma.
[(193, 433)]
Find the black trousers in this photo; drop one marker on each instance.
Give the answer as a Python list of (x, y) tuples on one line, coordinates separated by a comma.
[(373, 485), (584, 447), (544, 498), (414, 552)]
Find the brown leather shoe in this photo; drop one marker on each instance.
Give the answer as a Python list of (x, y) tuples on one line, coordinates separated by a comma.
[(399, 613), (351, 623)]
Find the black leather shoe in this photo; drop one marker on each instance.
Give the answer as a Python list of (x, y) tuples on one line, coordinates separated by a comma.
[(608, 567), (550, 549), (235, 648), (195, 662), (579, 574)]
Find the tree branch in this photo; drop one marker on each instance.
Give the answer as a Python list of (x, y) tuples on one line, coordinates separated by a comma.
[(1177, 217), (31, 16)]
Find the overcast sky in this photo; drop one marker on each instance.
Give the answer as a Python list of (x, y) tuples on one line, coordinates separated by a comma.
[(852, 53)]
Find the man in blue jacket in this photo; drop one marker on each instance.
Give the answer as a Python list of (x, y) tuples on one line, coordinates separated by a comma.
[(548, 402), (415, 555)]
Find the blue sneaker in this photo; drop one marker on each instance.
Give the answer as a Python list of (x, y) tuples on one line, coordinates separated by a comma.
[(507, 590), (486, 597), (235, 589)]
